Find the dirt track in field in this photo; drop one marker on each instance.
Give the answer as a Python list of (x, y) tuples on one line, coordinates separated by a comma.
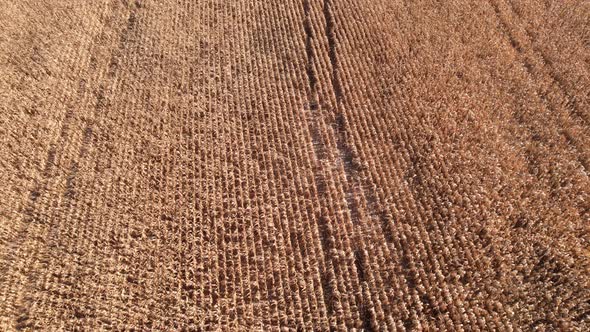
[(307, 165)]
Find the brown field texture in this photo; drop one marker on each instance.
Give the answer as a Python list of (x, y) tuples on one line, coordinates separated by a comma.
[(309, 165)]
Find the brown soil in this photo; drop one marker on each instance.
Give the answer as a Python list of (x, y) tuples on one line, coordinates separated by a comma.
[(307, 165)]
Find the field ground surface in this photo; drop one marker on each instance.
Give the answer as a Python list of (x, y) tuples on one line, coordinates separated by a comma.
[(309, 165)]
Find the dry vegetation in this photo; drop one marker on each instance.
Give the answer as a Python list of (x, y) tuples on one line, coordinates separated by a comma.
[(306, 165)]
